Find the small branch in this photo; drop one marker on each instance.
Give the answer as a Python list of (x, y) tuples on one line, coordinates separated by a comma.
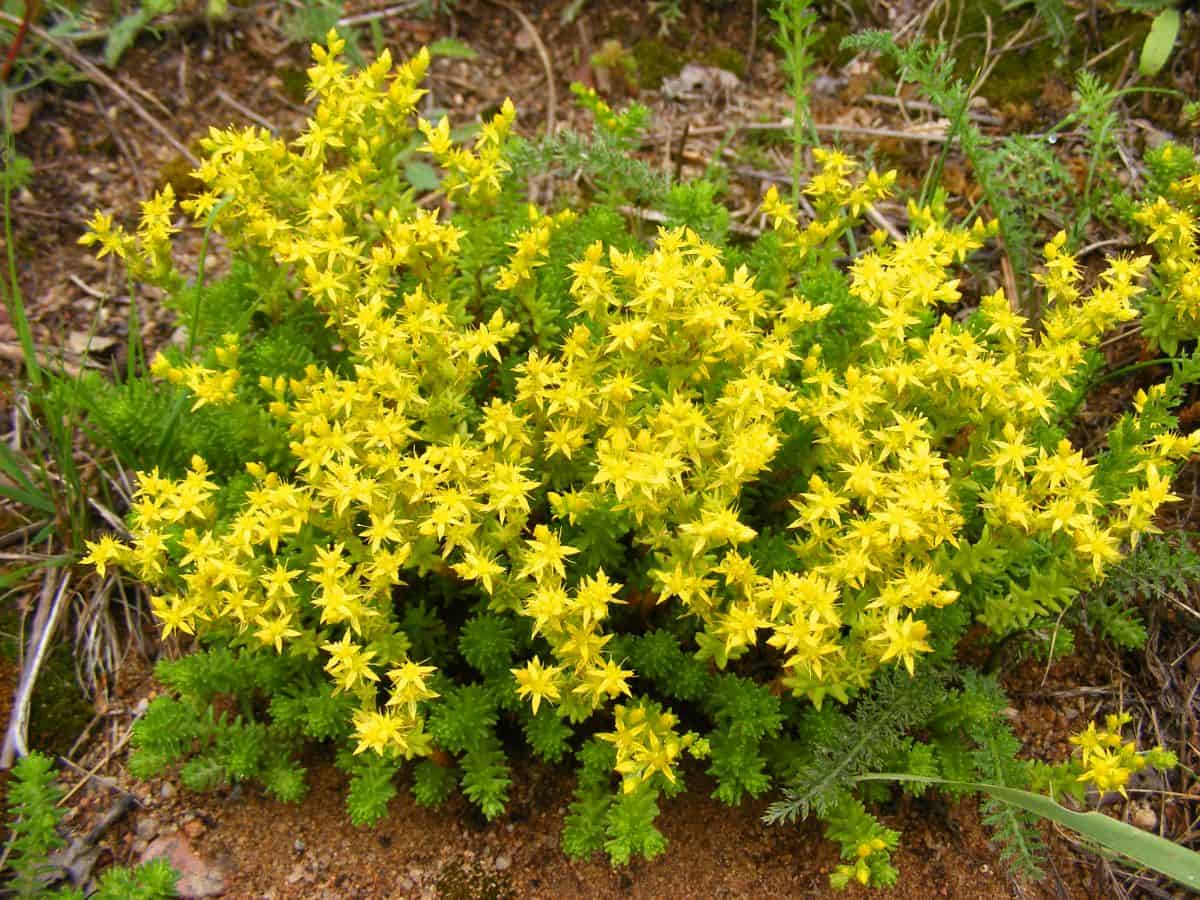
[(659, 218), (123, 804), (113, 520), (17, 535), (134, 166), (91, 773), (246, 111), (753, 49), (1099, 245), (848, 130), (923, 106), (376, 15), (878, 219)]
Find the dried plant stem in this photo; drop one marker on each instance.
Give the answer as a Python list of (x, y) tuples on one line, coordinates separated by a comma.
[(45, 621)]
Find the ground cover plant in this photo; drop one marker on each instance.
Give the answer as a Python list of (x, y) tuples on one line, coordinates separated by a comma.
[(426, 483), (34, 818)]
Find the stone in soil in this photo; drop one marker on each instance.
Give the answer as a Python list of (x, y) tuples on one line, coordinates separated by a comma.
[(75, 861), (197, 878), (146, 828), (193, 828)]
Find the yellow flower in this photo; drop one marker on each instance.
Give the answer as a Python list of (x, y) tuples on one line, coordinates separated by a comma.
[(545, 553), (379, 731), (105, 552), (603, 681), (349, 663), (410, 686), (274, 631), (904, 638), (112, 239), (538, 682), (1105, 769), (478, 565)]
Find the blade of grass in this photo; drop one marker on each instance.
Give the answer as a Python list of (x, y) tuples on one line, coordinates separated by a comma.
[(22, 489), (1146, 849), (17, 576), (176, 411)]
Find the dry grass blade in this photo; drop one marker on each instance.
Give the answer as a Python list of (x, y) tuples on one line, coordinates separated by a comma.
[(109, 623), (52, 604)]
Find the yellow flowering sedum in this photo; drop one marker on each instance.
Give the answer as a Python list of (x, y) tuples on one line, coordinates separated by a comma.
[(1107, 761), (669, 398)]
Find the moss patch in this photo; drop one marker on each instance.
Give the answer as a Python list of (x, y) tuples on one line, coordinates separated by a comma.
[(726, 58), (59, 711), (656, 60)]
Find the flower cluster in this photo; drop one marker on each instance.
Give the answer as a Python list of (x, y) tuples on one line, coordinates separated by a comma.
[(1175, 313), (1106, 760), (837, 197), (147, 252), (216, 384), (860, 869), (646, 743), (559, 485)]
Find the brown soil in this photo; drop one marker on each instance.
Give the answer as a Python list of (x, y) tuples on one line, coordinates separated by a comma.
[(90, 152), (265, 848), (310, 850)]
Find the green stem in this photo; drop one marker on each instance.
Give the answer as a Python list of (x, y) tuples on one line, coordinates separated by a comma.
[(1125, 370), (194, 326)]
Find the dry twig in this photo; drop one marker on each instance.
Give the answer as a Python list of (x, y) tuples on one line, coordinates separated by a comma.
[(931, 137), (134, 165), (239, 107), (104, 760)]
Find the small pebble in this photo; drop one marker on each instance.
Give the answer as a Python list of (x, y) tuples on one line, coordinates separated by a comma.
[(146, 828), (167, 791), (1144, 817), (194, 828), (298, 845), (503, 862)]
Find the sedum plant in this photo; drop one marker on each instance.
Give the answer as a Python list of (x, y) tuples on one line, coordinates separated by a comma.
[(34, 816), (1171, 310), (440, 473)]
